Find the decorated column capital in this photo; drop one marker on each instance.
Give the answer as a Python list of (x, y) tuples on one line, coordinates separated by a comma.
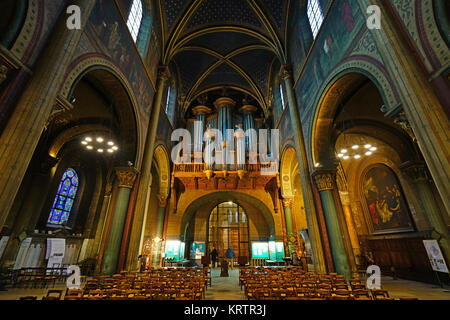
[(288, 202), (324, 179), (415, 170), (286, 72), (163, 73), (162, 200), (126, 176)]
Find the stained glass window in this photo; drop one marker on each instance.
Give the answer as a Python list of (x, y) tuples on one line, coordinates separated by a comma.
[(283, 104), (135, 19), (315, 16), (64, 199)]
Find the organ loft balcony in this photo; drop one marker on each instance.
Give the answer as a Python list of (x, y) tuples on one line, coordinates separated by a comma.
[(254, 174)]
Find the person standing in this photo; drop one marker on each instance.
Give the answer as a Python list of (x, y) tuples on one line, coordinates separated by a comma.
[(230, 256), (214, 257)]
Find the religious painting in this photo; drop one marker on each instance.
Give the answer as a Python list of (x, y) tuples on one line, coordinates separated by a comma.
[(385, 201)]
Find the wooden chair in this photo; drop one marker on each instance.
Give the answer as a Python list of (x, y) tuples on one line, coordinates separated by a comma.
[(53, 295), (380, 294)]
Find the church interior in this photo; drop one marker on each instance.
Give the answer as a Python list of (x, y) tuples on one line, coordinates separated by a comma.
[(224, 150)]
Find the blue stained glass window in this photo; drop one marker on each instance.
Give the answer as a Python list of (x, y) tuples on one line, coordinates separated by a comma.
[(67, 191)]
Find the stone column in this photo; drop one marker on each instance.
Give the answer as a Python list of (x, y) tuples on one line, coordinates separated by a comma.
[(23, 130), (421, 105), (417, 173), (126, 177), (290, 229), (224, 107), (325, 184), (310, 209), (200, 113), (144, 183), (250, 132), (345, 201), (159, 231)]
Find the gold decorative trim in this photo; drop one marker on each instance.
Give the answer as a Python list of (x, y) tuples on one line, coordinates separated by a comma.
[(126, 176)]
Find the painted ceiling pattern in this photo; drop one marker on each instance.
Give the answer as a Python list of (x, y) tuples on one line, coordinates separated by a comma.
[(214, 43)]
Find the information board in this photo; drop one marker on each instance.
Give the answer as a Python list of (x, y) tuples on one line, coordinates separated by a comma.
[(260, 250), (198, 250), (435, 255)]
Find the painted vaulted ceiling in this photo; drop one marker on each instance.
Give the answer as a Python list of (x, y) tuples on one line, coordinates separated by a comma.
[(216, 43)]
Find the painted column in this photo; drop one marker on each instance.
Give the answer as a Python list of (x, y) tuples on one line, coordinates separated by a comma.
[(313, 226), (23, 130), (417, 173), (224, 106), (422, 107), (290, 229), (126, 177), (325, 184), (250, 132), (145, 178), (200, 113), (345, 201), (159, 231)]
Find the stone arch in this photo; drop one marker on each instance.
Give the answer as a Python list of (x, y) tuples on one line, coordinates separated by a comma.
[(88, 63), (341, 78), (217, 198), (161, 158), (288, 165)]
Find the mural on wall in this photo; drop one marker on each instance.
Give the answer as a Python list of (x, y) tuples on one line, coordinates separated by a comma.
[(108, 34), (286, 132), (386, 205), (343, 26)]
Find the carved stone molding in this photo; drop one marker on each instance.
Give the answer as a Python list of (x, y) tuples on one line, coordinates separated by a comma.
[(416, 171), (3, 73), (286, 72), (402, 121), (324, 179), (288, 202), (162, 200), (126, 176)]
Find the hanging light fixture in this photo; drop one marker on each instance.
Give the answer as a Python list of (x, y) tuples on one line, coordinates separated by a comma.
[(101, 142), (352, 150)]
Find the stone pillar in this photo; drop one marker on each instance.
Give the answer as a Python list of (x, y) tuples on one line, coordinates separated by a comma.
[(417, 173), (224, 107), (310, 209), (159, 231), (126, 177), (23, 130), (144, 183), (250, 132), (422, 107), (353, 234), (290, 228), (200, 113), (325, 184)]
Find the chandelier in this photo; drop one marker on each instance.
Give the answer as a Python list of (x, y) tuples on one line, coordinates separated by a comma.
[(100, 144), (357, 148), (356, 151)]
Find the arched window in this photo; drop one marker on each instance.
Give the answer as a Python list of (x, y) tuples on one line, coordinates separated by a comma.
[(67, 191), (315, 16), (135, 19), (168, 100), (283, 104)]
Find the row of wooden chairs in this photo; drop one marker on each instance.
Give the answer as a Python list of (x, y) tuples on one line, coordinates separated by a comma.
[(154, 284), (295, 284)]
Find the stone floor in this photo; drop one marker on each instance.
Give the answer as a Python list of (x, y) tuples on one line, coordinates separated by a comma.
[(227, 288)]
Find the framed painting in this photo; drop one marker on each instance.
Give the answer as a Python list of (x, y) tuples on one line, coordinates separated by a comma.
[(385, 203)]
